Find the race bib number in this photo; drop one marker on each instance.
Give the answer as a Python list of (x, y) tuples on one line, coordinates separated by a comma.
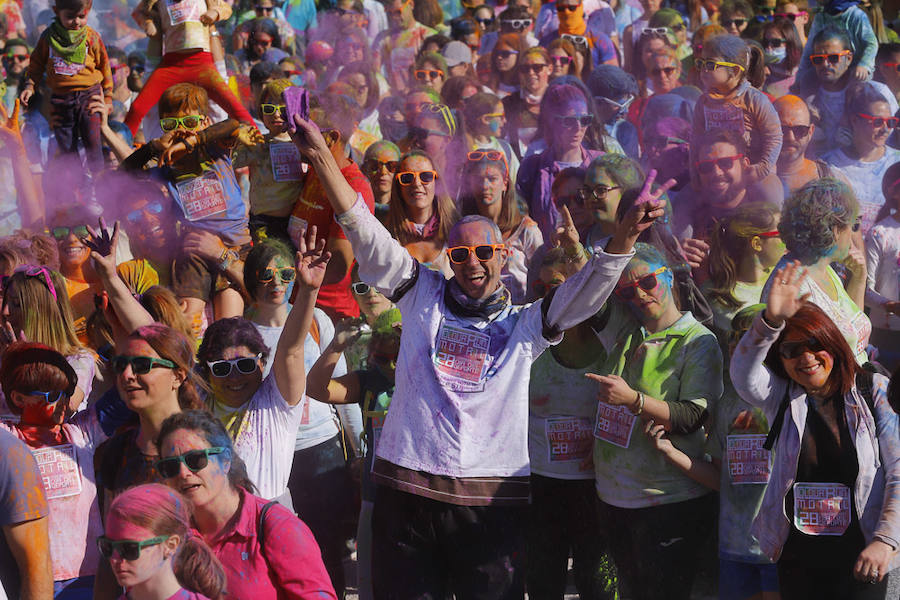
[(568, 438), (286, 162), (862, 327), (821, 508), (614, 424), (184, 11), (202, 197), (59, 470), (724, 117), (461, 358), (63, 67), (296, 229), (748, 461)]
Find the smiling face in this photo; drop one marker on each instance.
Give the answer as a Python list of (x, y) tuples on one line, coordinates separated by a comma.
[(153, 560), (73, 254), (348, 50), (648, 305), (379, 175), (534, 73), (810, 369), (418, 196), (151, 225), (867, 135), (477, 279), (722, 185), (237, 388), (663, 71), (601, 210), (205, 485), (560, 61), (141, 392)]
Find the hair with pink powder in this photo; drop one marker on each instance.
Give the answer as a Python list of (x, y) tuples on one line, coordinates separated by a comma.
[(164, 511)]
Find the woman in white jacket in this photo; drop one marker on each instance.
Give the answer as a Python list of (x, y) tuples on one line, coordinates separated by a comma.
[(830, 513)]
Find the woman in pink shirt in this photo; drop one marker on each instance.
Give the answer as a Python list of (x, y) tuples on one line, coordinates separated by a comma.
[(152, 551), (266, 551)]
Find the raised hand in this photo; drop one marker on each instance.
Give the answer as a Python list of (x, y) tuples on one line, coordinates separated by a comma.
[(566, 234), (249, 136), (312, 259), (308, 138), (346, 332), (648, 207), (784, 295), (695, 251), (102, 241)]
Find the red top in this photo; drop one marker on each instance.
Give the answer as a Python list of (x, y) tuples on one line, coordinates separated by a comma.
[(289, 566), (313, 208)]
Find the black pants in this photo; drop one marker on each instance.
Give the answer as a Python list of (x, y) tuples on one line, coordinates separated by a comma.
[(323, 495), (564, 520), (76, 122), (657, 548), (798, 581), (425, 549)]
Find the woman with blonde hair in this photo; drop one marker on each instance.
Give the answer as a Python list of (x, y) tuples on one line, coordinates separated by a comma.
[(421, 212)]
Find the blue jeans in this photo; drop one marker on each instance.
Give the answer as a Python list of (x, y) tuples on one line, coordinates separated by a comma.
[(79, 588)]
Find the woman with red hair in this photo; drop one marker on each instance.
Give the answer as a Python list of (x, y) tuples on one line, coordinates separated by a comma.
[(38, 384), (829, 516), (152, 551)]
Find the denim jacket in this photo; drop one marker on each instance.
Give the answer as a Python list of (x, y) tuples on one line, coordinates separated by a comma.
[(876, 440)]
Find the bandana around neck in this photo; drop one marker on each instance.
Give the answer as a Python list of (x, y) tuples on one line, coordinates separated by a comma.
[(429, 229), (460, 304), (69, 45)]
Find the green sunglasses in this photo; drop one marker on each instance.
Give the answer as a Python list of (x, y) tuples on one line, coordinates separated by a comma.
[(127, 549), (189, 122)]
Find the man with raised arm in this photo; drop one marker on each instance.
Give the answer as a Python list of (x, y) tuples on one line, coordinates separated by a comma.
[(452, 460)]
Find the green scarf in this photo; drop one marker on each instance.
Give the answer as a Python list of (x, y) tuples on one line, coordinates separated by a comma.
[(69, 45)]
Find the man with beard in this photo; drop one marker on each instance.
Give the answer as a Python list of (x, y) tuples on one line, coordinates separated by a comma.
[(721, 183), (793, 168), (16, 57)]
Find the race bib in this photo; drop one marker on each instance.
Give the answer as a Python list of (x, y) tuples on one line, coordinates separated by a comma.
[(59, 470), (868, 213), (724, 117), (862, 327), (821, 508), (202, 197), (461, 358), (63, 67), (614, 424), (296, 229), (184, 11), (568, 438), (748, 461), (286, 162)]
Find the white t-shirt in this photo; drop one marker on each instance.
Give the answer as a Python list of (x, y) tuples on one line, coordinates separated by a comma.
[(883, 265), (265, 441), (865, 179)]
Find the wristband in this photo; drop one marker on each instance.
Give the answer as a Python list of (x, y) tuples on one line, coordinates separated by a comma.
[(640, 402), (227, 258)]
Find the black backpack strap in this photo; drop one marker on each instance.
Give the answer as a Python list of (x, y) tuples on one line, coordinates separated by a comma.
[(778, 422), (865, 383), (261, 525)]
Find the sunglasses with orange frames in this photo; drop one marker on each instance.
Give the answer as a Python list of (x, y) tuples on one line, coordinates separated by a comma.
[(410, 177), (483, 252), (488, 155)]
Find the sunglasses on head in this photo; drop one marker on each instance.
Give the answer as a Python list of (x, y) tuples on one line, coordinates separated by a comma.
[(127, 549), (285, 274), (360, 288), (791, 16), (792, 350), (37, 272), (598, 193), (272, 109), (648, 282), (879, 122), (725, 163), (244, 365), (410, 177), (709, 65), (194, 460), (483, 252), (61, 233), (726, 23), (573, 121), (427, 74), (798, 131), (136, 215), (819, 59), (49, 397), (516, 23), (140, 365), (189, 122), (578, 40), (773, 42), (374, 166), (561, 60)]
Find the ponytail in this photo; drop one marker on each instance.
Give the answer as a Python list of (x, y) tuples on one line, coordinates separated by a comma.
[(198, 569)]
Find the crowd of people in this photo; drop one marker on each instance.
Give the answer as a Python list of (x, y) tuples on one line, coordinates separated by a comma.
[(498, 298)]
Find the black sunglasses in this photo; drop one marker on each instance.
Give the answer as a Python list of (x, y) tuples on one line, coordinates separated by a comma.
[(140, 365), (127, 549), (725, 163), (573, 121), (736, 22), (360, 288), (792, 350), (798, 131), (773, 42), (194, 460)]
